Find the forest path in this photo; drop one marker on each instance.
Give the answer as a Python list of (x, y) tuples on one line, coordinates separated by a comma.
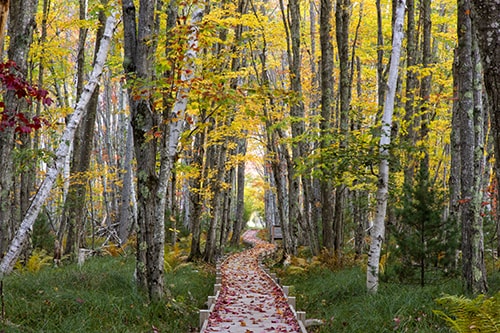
[(249, 301)]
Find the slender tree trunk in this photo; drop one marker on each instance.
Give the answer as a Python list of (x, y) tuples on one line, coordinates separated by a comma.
[(326, 111), (195, 194), (4, 14), (479, 267), (470, 203), (377, 233), (126, 217), (455, 163), (242, 142), (380, 59), (426, 81), (216, 158), (139, 47), (411, 86), (342, 19), (360, 197), (486, 15), (20, 32), (74, 208), (292, 27), (240, 194)]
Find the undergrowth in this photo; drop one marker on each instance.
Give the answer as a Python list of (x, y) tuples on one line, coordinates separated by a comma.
[(481, 314), (102, 297), (339, 298), (335, 293)]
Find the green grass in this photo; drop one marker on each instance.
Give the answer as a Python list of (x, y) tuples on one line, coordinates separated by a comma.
[(340, 299), (102, 297)]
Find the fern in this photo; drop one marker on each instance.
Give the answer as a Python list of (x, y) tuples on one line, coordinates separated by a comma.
[(481, 314), (173, 258), (38, 259)]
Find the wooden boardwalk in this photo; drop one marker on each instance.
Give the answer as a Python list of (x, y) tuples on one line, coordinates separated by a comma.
[(248, 300)]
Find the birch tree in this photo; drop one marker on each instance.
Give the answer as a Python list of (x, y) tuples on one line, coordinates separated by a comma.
[(377, 233), (61, 153)]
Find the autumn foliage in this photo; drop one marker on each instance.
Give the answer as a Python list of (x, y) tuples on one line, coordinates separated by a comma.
[(13, 81)]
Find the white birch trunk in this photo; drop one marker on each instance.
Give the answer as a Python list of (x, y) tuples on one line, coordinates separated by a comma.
[(377, 233), (180, 105), (24, 231)]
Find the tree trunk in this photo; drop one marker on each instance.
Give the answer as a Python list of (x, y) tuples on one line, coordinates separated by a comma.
[(380, 60), (240, 194), (326, 111), (216, 157), (74, 207), (62, 151), (20, 32), (195, 193), (4, 14), (470, 199), (486, 15), (342, 19), (126, 218), (411, 86), (139, 47), (292, 28), (454, 179), (377, 233)]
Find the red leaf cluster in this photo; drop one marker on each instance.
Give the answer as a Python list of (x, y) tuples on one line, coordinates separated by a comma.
[(12, 80)]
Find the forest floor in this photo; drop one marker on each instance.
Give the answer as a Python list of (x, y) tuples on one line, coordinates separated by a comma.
[(101, 296), (249, 300)]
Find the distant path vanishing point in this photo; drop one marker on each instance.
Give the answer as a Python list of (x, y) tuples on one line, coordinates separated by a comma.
[(249, 301)]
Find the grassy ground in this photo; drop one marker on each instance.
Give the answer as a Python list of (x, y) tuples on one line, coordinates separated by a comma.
[(340, 299), (101, 297)]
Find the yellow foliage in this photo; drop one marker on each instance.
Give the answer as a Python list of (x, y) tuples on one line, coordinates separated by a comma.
[(301, 262), (114, 250), (173, 258), (38, 259), (383, 262), (295, 269)]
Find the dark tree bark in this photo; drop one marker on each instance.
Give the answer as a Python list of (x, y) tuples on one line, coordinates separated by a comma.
[(4, 14), (20, 32), (342, 19), (411, 86), (472, 272), (216, 157), (139, 47), (425, 84), (240, 194), (195, 193), (126, 218), (74, 208), (380, 59), (486, 15), (326, 112)]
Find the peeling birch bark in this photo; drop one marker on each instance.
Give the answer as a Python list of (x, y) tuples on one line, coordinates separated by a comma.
[(377, 233)]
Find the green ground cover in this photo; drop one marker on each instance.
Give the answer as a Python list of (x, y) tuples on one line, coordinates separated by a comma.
[(102, 297), (339, 298)]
